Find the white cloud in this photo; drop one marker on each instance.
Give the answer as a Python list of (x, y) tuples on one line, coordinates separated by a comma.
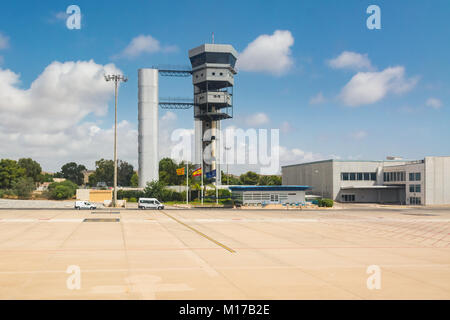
[(62, 16), (351, 60), (169, 116), (285, 127), (268, 53), (257, 119), (296, 155), (4, 41), (358, 135), (434, 103), (144, 44), (370, 87), (44, 121), (317, 99)]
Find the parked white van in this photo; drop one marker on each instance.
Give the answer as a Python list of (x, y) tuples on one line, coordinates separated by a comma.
[(150, 203), (85, 205)]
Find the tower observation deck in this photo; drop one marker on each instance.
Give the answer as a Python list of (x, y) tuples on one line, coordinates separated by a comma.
[(213, 79)]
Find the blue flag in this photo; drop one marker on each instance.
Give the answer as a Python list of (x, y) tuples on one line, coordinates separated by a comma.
[(211, 174)]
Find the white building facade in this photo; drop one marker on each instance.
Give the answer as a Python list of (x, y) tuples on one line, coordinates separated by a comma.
[(268, 194), (421, 182)]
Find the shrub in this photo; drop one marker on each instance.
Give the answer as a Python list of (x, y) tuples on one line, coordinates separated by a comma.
[(155, 189), (132, 199), (170, 195), (325, 203), (62, 190), (224, 194), (129, 194)]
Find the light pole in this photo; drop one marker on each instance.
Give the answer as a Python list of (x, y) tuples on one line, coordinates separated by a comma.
[(226, 160), (117, 78)]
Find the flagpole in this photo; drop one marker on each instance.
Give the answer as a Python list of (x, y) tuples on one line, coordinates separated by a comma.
[(187, 183), (201, 193)]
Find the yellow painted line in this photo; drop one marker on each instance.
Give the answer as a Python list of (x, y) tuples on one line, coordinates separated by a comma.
[(200, 233)]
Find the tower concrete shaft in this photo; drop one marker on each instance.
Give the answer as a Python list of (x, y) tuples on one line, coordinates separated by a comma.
[(148, 103)]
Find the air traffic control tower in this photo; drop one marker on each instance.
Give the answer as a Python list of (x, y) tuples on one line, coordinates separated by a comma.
[(213, 79)]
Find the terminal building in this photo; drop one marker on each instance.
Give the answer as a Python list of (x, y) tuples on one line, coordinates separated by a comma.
[(254, 195), (420, 182)]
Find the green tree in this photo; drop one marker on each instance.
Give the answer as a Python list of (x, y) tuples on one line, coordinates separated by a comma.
[(32, 168), (23, 187), (46, 177), (168, 172), (269, 180), (249, 178), (10, 172), (73, 172), (104, 172), (134, 180), (125, 172), (230, 179), (155, 189)]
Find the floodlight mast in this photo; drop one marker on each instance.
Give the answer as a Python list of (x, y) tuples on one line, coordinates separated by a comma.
[(117, 78)]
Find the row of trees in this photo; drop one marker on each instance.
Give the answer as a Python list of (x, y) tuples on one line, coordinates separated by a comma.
[(168, 175), (157, 189), (21, 177), (11, 171), (103, 174)]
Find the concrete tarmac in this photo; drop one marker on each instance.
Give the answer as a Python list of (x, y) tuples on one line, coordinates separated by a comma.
[(225, 254)]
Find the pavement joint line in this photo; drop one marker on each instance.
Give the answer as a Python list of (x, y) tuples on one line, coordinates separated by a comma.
[(306, 267), (200, 233), (2, 251)]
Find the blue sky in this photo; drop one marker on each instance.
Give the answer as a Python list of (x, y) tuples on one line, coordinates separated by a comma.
[(411, 119)]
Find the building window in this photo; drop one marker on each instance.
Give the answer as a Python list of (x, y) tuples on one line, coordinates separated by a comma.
[(396, 176), (221, 73), (213, 73), (414, 176), (274, 198), (359, 176), (414, 188), (415, 200), (348, 198)]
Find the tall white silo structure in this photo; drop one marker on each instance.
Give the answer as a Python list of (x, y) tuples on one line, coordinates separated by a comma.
[(148, 103), (213, 79)]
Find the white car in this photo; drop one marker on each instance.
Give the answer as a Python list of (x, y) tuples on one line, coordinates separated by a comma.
[(85, 205), (150, 203)]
